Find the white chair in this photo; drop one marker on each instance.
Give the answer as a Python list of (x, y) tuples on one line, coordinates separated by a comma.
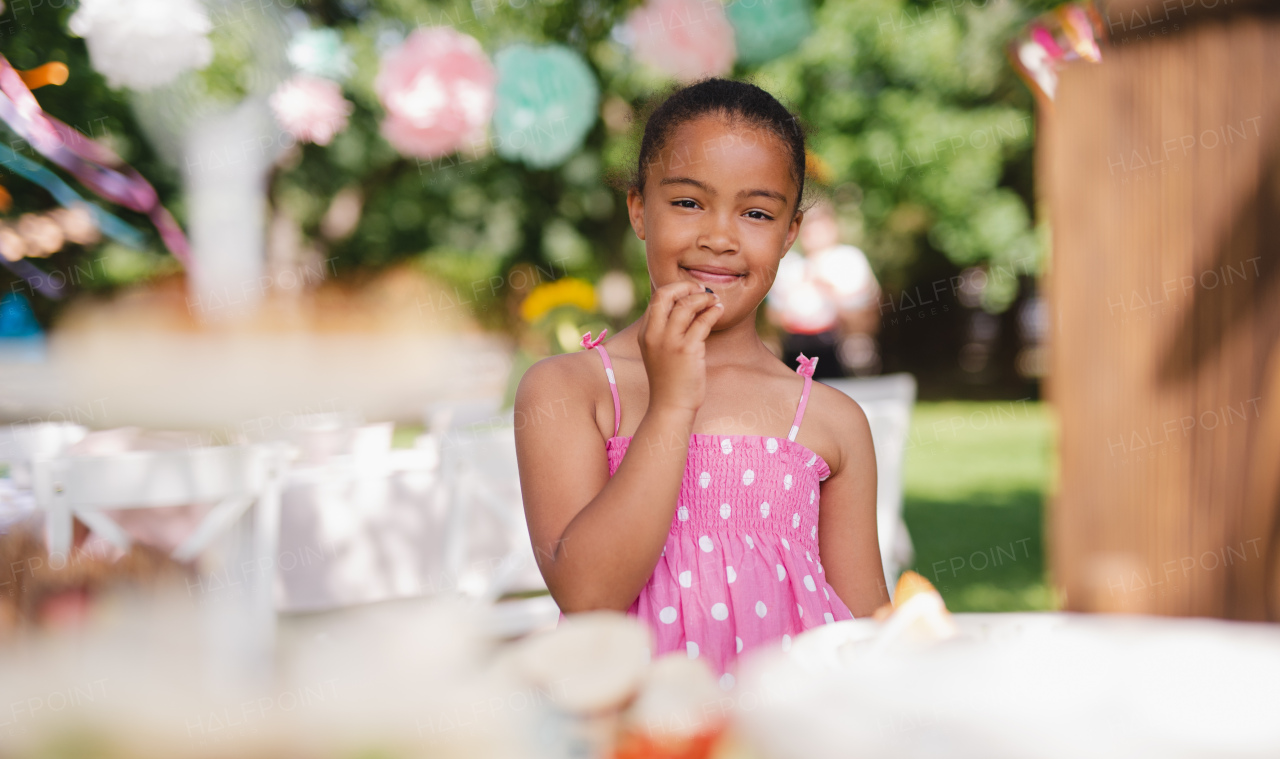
[(487, 548), (360, 522), (242, 481), (887, 402), (488, 553)]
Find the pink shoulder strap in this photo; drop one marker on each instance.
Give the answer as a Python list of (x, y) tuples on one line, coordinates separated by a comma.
[(807, 365), (587, 342)]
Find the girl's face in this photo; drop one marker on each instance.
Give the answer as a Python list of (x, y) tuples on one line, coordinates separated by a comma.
[(717, 210)]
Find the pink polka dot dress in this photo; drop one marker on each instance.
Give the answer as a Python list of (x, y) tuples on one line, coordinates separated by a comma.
[(740, 568)]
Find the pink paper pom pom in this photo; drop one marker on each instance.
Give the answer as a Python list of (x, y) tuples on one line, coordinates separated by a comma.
[(688, 39), (438, 89), (310, 108)]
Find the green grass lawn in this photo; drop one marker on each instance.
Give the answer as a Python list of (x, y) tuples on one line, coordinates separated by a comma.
[(977, 475)]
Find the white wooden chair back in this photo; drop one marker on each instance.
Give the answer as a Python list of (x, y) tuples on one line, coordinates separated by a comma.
[(243, 481), (20, 444), (487, 547)]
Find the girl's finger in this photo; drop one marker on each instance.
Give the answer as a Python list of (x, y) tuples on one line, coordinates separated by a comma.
[(663, 300), (702, 324), (686, 309)]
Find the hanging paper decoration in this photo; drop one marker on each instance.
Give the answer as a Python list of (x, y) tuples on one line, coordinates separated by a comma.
[(766, 29), (320, 52), (547, 100), (438, 90), (93, 164), (688, 39), (1067, 33), (310, 108), (143, 44)]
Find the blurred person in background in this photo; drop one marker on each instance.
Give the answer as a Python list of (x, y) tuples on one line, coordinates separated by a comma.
[(826, 300)]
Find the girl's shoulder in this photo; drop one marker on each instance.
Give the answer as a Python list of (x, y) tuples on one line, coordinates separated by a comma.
[(565, 378), (836, 423)]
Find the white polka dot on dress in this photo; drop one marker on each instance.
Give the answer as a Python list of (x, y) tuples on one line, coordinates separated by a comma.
[(795, 521), (771, 445), (726, 446), (692, 648), (808, 556), (813, 533), (705, 544), (761, 609), (786, 482), (667, 615), (764, 510), (750, 543), (828, 616), (782, 573), (786, 642), (800, 610), (812, 459), (719, 612), (785, 544), (724, 511), (682, 513), (809, 584), (825, 593), (704, 479), (686, 579), (733, 575), (748, 477), (738, 642), (726, 681), (812, 495)]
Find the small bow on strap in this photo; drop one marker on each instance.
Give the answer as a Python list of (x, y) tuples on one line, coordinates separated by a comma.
[(587, 342), (807, 365)]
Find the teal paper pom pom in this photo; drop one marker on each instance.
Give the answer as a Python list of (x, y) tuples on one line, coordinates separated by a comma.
[(766, 29), (547, 101), (320, 52)]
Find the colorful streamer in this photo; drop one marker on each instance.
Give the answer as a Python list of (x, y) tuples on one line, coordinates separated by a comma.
[(85, 159), (111, 226)]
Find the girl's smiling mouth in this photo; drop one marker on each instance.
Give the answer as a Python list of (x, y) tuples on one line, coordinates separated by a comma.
[(713, 274)]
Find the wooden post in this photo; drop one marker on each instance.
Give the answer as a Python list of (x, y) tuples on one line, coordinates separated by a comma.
[(1162, 176)]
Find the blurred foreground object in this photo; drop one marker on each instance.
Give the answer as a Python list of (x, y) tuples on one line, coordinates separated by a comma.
[(1009, 686), (1161, 170)]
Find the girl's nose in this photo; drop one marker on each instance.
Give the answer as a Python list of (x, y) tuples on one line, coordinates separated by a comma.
[(718, 235)]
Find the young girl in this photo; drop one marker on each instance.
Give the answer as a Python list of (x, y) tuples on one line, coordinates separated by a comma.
[(703, 520)]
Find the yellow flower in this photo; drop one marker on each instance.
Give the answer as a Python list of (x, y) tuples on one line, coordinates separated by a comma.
[(566, 291)]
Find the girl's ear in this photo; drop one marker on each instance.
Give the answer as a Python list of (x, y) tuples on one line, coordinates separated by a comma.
[(635, 210), (793, 230)]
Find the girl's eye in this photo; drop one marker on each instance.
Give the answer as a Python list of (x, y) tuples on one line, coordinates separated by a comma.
[(762, 215), (681, 203)]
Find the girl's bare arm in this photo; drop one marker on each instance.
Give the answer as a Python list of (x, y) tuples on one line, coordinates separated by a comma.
[(596, 538), (847, 536)]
